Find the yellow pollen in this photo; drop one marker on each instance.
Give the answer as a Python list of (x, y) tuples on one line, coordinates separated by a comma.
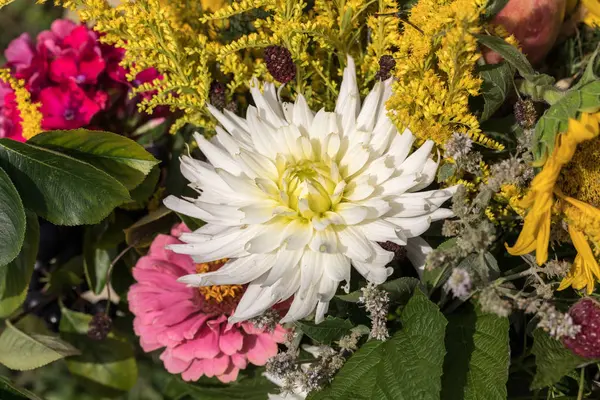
[(217, 293), (580, 178)]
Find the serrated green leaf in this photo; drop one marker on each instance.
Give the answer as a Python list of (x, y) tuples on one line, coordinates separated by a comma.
[(408, 366), (399, 290), (515, 58), (552, 360), (497, 84), (109, 362), (476, 365), (59, 188), (556, 118), (118, 156), (15, 277), (12, 220), (22, 352), (330, 329), (9, 391)]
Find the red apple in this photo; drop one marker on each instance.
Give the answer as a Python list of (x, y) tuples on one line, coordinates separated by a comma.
[(535, 23)]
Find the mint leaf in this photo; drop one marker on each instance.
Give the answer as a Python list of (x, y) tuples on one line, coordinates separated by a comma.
[(476, 365), (330, 329), (552, 359), (407, 366)]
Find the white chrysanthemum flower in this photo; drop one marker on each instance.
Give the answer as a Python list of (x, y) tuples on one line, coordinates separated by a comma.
[(295, 198)]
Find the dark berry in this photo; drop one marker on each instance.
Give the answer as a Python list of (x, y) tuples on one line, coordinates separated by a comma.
[(99, 327), (217, 94), (280, 64), (525, 113), (586, 314), (386, 65), (399, 251)]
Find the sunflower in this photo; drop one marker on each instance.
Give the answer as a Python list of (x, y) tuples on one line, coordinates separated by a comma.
[(568, 187)]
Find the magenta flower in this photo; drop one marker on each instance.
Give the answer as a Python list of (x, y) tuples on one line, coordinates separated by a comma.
[(191, 323), (67, 107), (80, 59), (10, 117)]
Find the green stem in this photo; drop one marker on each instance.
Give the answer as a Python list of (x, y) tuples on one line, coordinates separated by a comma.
[(547, 93), (581, 381)]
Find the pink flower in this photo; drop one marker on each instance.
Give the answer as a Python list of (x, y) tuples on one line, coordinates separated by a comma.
[(80, 59), (52, 41), (68, 106), (191, 324), (10, 117)]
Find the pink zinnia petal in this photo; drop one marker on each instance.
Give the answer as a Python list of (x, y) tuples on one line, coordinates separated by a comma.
[(231, 341)]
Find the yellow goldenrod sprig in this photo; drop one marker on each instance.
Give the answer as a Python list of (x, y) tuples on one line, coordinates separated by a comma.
[(31, 117)]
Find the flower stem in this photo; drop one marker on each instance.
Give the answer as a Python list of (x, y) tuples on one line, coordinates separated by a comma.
[(581, 381)]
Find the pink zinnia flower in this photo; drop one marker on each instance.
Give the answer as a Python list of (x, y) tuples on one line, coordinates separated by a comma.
[(68, 106), (191, 323)]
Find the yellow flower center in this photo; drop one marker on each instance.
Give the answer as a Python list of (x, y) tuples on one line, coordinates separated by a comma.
[(217, 293), (580, 178), (309, 187)]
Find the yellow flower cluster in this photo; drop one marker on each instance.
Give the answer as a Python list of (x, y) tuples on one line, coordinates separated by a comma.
[(548, 194), (437, 55), (31, 117)]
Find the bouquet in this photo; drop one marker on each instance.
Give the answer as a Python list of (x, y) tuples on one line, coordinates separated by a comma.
[(255, 199)]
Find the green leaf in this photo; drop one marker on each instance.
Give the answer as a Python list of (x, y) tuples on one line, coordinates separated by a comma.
[(100, 244), (330, 329), (15, 277), (146, 189), (493, 7), (255, 388), (556, 118), (476, 365), (400, 290), (141, 234), (445, 172), (59, 188), (12, 220), (9, 391), (191, 222), (118, 156), (433, 278), (22, 352), (408, 366), (552, 359), (109, 362), (515, 58), (66, 276), (497, 84)]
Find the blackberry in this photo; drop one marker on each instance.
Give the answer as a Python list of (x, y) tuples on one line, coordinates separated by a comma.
[(280, 64)]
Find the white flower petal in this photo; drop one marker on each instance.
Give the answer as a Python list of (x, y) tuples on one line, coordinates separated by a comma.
[(354, 244), (417, 250), (337, 267), (297, 234), (351, 213), (286, 261), (217, 157)]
